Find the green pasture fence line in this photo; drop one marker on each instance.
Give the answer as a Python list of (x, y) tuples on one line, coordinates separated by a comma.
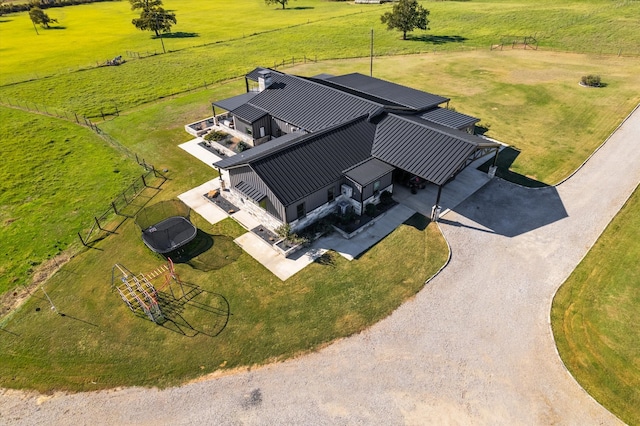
[(106, 222)]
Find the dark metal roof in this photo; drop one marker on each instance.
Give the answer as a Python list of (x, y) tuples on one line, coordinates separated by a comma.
[(310, 105), (250, 191), (391, 92), (449, 118), (323, 76), (235, 102), (432, 152), (249, 113), (315, 160), (368, 171), (266, 148)]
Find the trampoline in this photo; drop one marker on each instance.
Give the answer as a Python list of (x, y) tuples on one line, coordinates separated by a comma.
[(169, 235)]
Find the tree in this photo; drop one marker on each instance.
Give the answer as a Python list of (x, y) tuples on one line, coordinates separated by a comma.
[(152, 16), (39, 17), (282, 2), (406, 15)]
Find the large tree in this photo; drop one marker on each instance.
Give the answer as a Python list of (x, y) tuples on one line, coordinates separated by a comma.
[(152, 16), (405, 16), (282, 2), (39, 17)]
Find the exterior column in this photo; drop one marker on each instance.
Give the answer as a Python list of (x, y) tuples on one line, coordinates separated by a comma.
[(494, 167), (435, 210)]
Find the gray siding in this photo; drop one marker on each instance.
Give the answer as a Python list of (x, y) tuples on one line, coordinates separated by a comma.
[(312, 202), (246, 174), (262, 122), (385, 181)]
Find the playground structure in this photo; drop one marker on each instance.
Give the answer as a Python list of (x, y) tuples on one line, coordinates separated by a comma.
[(517, 42), (138, 292)]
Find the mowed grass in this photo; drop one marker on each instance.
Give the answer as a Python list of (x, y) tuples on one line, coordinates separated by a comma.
[(595, 317), (55, 177), (325, 30), (241, 314)]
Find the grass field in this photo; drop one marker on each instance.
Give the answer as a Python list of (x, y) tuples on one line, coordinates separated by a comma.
[(529, 99), (345, 29), (55, 177), (594, 317)]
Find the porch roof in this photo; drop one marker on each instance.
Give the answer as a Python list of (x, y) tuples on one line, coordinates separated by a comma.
[(250, 191), (368, 171), (235, 102)]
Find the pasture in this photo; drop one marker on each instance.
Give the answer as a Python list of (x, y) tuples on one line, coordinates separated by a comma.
[(529, 99), (594, 317)]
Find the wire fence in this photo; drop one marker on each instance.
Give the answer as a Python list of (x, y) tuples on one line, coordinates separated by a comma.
[(125, 205)]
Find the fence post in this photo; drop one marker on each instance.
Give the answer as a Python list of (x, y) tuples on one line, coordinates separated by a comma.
[(144, 182), (82, 240), (98, 223), (115, 210)]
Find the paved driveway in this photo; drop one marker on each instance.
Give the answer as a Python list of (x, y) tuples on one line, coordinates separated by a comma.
[(473, 347)]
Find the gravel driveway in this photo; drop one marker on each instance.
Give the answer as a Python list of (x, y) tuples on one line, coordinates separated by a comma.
[(474, 346)]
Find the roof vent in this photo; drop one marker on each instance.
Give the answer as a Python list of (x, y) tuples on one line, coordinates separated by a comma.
[(264, 79)]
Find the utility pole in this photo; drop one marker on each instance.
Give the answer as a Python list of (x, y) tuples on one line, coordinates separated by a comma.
[(371, 56)]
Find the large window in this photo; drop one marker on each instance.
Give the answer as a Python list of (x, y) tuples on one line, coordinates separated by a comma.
[(376, 186), (300, 209)]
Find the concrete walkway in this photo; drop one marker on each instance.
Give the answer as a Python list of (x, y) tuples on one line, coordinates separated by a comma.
[(473, 347)]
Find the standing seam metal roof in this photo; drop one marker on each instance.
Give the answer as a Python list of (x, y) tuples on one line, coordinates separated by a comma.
[(249, 113), (395, 93), (449, 118), (315, 161), (431, 154), (310, 105)]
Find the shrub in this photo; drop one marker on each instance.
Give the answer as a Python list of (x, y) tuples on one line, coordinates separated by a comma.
[(284, 231), (591, 80), (215, 136), (385, 198), (370, 209)]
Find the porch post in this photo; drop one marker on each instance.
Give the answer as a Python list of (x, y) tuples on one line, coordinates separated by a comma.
[(213, 108), (435, 210), (494, 167)]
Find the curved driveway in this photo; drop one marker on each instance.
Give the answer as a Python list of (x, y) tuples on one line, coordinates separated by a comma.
[(474, 346)]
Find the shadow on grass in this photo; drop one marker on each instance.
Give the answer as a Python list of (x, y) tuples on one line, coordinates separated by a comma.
[(189, 310), (327, 259), (207, 252), (55, 27), (177, 34), (506, 158), (418, 221), (436, 39), (299, 8)]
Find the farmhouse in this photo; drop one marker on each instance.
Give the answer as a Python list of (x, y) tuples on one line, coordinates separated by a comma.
[(333, 144)]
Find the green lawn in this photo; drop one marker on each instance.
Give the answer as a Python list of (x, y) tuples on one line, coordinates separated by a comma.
[(529, 99), (595, 317), (55, 177), (100, 344)]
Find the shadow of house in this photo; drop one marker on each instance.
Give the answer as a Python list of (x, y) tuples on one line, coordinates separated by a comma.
[(506, 158), (511, 210)]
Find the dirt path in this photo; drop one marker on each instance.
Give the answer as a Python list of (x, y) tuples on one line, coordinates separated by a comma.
[(474, 346)]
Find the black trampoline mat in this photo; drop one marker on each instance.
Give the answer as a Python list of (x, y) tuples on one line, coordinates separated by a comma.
[(170, 234)]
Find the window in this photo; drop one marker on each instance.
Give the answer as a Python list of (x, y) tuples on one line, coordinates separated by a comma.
[(301, 210), (248, 131), (376, 187), (263, 203), (330, 195)]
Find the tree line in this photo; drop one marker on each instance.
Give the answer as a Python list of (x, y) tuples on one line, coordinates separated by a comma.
[(6, 7)]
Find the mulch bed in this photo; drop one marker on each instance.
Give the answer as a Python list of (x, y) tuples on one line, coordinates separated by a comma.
[(265, 234), (223, 203)]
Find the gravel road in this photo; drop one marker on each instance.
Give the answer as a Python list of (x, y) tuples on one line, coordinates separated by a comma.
[(474, 346)]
